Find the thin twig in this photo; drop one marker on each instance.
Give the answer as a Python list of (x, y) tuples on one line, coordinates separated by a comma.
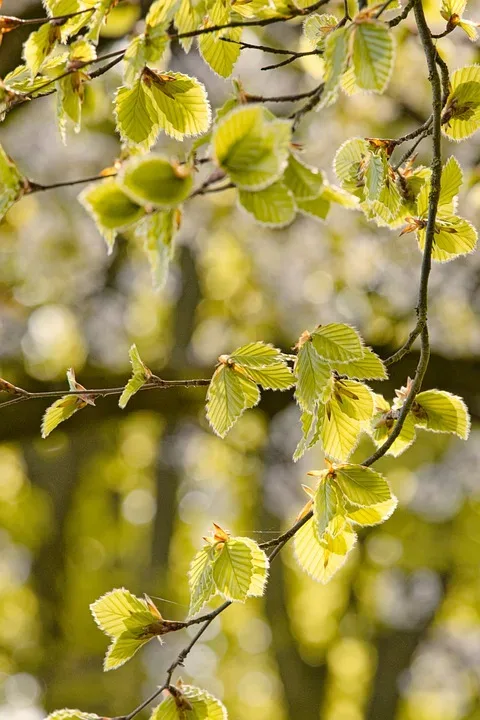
[(57, 20), (281, 98), (290, 60), (401, 16), (308, 107)]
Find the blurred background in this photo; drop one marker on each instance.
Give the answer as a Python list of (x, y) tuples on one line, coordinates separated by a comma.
[(118, 498)]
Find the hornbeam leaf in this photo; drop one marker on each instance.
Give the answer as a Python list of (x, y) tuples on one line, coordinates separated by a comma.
[(238, 570), (317, 209), (332, 193), (141, 375), (338, 431), (361, 485), (274, 377), (189, 17), (273, 206), (111, 209), (308, 422), (452, 7), (382, 425), (257, 355), (219, 54), (355, 398), (373, 51), (316, 28), (67, 714), (122, 649), (450, 184), (38, 47), (155, 180), (337, 342), (158, 233), (461, 116), (12, 183), (336, 57), (372, 514), (180, 102), (200, 580), (453, 236), (326, 506), (349, 165), (115, 612), (61, 410), (375, 176), (312, 375), (251, 147), (316, 558), (440, 411), (368, 367), (229, 394), (304, 182), (136, 117), (190, 703)]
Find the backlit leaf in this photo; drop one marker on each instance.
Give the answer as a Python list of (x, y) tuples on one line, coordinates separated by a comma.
[(453, 236), (11, 183), (39, 45), (141, 375), (461, 116), (228, 396), (72, 715), (368, 367), (372, 514), (157, 231), (441, 411), (200, 580), (111, 209), (337, 342), (373, 52), (190, 703), (155, 180), (115, 610), (335, 56), (312, 374), (273, 206), (220, 55), (315, 558), (338, 431), (61, 410), (136, 116), (235, 566), (361, 485), (122, 649), (303, 181)]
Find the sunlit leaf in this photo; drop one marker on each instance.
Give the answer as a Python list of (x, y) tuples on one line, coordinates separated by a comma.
[(155, 180), (115, 610), (122, 649), (72, 715), (337, 342), (312, 374), (141, 375), (229, 394), (135, 115), (316, 558), (180, 102), (157, 231), (441, 411), (190, 703), (189, 17), (372, 514), (220, 55), (111, 209), (335, 56), (12, 183), (251, 147), (304, 182), (453, 236), (200, 580), (39, 45), (273, 206), (236, 565), (338, 431), (368, 367), (461, 116), (383, 423), (373, 52), (316, 28), (361, 485)]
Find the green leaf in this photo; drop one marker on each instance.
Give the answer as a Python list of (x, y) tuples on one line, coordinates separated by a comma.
[(273, 206), (303, 181), (189, 17), (336, 58), (312, 375), (135, 116), (111, 209), (317, 208), (440, 411), (337, 342), (219, 54), (115, 611), (317, 559), (96, 21), (372, 514), (38, 47), (338, 431), (361, 485), (461, 116), (141, 375), (264, 364), (373, 52), (180, 102), (72, 715), (355, 398), (155, 180), (200, 580), (368, 367), (158, 232), (229, 394), (122, 649), (349, 165), (316, 28), (69, 102), (252, 147), (450, 184), (308, 423), (190, 703), (161, 12), (332, 193), (326, 507), (453, 236), (375, 175), (61, 410), (237, 569), (12, 183)]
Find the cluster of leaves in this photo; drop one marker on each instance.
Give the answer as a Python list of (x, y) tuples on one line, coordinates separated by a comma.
[(346, 495), (395, 197)]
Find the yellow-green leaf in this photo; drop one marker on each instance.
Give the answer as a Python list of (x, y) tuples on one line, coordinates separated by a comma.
[(180, 102), (141, 375), (373, 52), (337, 342), (273, 206), (461, 116), (155, 180), (361, 485), (317, 559), (190, 703), (440, 411), (219, 54), (312, 375), (136, 117), (111, 209), (229, 394), (200, 580), (368, 367)]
